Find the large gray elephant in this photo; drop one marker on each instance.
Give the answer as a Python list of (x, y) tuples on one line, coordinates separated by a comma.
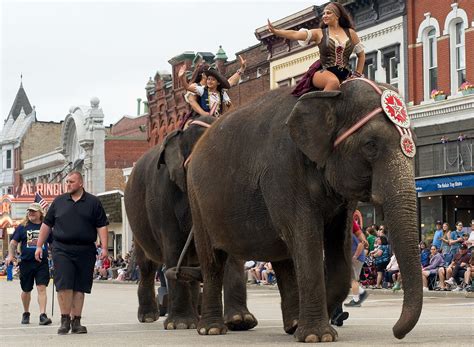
[(281, 190), (158, 210)]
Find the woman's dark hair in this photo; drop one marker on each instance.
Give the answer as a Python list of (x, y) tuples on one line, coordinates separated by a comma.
[(197, 74), (345, 19), (383, 240)]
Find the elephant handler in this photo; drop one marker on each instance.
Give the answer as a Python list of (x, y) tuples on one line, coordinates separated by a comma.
[(30, 270), (75, 218)]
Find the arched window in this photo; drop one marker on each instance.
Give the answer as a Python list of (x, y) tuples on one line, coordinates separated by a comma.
[(428, 32), (455, 25), (430, 62)]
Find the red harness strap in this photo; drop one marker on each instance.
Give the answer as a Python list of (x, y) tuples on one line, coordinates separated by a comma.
[(402, 124)]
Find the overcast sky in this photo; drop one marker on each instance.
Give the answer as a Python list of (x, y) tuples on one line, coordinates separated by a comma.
[(70, 51)]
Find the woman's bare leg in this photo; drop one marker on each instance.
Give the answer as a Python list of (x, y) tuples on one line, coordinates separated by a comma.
[(325, 80)]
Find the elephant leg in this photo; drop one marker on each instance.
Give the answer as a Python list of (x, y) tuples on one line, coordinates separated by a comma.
[(313, 322), (147, 306), (236, 313), (182, 311), (338, 263), (288, 287)]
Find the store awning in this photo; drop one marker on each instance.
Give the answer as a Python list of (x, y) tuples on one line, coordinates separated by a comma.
[(444, 183)]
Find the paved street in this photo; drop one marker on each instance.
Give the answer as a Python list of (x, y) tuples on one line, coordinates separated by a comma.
[(110, 315)]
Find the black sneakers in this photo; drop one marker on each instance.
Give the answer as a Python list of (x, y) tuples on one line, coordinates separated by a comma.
[(25, 319), (44, 320)]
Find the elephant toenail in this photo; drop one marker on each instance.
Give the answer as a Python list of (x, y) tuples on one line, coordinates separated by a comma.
[(214, 331), (237, 318), (248, 317), (182, 326), (311, 338), (170, 326), (192, 326), (328, 338), (202, 331)]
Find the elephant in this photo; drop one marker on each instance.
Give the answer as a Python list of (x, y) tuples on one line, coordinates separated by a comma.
[(283, 190), (158, 210)]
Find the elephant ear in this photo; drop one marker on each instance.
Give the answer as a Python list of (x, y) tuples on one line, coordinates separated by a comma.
[(171, 155), (312, 124)]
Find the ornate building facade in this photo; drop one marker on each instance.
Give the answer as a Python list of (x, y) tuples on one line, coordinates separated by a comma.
[(440, 39)]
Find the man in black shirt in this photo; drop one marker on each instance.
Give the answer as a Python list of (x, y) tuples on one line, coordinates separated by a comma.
[(75, 218)]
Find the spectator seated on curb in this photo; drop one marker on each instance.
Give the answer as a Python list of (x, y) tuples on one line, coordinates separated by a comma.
[(247, 266), (256, 272), (469, 274), (455, 272), (392, 271), (268, 275), (424, 254), (430, 271)]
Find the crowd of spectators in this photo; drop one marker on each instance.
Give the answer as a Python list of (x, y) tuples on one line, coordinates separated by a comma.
[(119, 268)]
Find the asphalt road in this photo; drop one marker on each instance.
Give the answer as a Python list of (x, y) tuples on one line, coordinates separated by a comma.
[(110, 316)]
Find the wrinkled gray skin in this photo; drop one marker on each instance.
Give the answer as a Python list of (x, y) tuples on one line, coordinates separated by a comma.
[(158, 211), (281, 192)]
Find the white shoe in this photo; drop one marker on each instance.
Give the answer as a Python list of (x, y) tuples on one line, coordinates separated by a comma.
[(450, 281), (425, 289), (457, 289)]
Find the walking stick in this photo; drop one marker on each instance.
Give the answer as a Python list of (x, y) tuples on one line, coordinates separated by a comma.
[(52, 297)]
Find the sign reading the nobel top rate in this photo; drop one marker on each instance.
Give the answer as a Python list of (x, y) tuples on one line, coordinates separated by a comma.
[(45, 189), (445, 182)]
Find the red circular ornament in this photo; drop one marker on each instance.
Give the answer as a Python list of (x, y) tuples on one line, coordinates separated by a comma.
[(408, 146), (394, 107)]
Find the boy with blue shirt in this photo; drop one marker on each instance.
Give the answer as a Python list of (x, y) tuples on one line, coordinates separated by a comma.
[(30, 270)]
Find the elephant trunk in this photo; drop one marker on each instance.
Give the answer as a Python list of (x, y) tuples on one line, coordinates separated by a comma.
[(398, 200)]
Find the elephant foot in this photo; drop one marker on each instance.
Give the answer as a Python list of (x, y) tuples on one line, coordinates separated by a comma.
[(324, 334), (211, 328), (238, 321), (290, 326), (178, 323), (148, 314)]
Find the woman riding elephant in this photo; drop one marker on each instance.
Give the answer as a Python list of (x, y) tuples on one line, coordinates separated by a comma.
[(336, 40), (286, 178)]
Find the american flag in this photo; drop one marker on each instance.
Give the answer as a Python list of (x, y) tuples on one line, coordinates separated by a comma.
[(39, 199)]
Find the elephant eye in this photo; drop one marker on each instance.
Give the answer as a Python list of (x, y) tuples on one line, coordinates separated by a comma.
[(370, 149)]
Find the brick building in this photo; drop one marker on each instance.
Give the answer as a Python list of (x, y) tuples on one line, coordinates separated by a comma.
[(165, 95), (440, 39), (125, 142)]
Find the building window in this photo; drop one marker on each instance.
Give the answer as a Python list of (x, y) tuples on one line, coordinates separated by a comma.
[(393, 72), (391, 62), (370, 65), (455, 26), (8, 159), (284, 83), (458, 56), (430, 62)]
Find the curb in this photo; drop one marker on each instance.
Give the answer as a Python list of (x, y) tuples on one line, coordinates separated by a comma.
[(375, 292), (386, 292)]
